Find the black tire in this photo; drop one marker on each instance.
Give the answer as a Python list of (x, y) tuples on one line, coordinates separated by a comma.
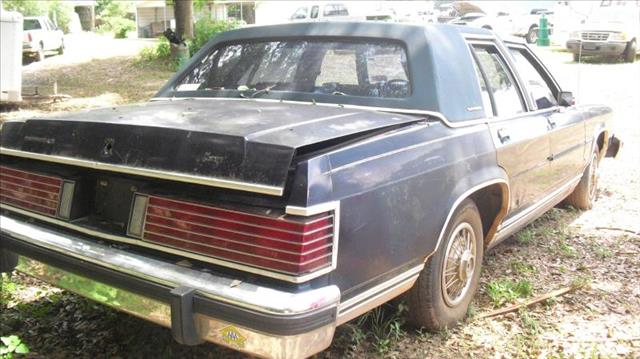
[(429, 305), (532, 35), (8, 261), (61, 48), (576, 57), (40, 53), (584, 195), (629, 54)]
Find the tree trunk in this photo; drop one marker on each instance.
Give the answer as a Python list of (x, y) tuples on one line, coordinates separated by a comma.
[(183, 11)]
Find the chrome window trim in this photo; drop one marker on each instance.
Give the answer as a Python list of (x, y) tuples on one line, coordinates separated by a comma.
[(160, 174), (206, 259)]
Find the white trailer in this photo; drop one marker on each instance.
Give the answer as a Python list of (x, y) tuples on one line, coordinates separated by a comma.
[(10, 56)]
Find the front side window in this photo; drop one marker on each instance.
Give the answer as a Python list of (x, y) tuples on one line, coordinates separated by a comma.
[(339, 68), (538, 89), (501, 84)]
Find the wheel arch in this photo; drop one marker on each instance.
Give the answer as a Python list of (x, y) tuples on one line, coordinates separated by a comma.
[(491, 196)]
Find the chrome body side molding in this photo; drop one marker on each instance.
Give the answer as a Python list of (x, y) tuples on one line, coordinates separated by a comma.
[(378, 295)]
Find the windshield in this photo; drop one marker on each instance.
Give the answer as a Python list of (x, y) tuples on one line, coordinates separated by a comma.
[(339, 68)]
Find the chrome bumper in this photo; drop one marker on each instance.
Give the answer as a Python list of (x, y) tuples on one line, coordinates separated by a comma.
[(255, 319)]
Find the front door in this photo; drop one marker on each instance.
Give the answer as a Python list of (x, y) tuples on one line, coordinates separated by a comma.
[(566, 125), (521, 138)]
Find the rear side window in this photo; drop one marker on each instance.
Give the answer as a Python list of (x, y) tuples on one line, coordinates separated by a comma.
[(538, 89), (31, 24), (499, 81)]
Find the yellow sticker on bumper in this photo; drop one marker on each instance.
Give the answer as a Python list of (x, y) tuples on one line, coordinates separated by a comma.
[(232, 336)]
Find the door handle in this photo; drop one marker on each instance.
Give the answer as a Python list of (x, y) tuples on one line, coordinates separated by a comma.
[(551, 123), (503, 135)]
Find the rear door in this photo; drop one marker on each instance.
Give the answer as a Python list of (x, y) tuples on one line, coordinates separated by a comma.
[(521, 138), (566, 124)]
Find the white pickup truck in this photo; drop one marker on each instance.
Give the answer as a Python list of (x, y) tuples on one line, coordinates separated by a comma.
[(612, 30), (41, 35)]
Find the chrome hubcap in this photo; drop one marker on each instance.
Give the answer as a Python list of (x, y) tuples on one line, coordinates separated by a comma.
[(459, 264)]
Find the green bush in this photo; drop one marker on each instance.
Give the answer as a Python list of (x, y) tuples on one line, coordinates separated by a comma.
[(205, 29)]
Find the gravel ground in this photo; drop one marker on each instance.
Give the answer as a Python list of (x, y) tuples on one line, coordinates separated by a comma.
[(595, 252)]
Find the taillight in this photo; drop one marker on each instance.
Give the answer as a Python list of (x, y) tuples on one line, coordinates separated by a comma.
[(29, 37), (289, 244), (38, 193)]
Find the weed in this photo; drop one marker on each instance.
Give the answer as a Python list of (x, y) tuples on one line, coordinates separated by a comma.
[(504, 290), (567, 250), (471, 311), (12, 345), (7, 288), (525, 236), (529, 323), (581, 282), (383, 325), (522, 267), (601, 251)]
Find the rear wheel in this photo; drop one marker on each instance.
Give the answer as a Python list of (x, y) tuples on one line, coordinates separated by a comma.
[(441, 295), (584, 194), (629, 54), (576, 57), (532, 35), (40, 53)]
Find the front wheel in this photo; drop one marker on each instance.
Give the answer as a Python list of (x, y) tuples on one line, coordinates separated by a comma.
[(40, 53), (629, 54), (584, 195), (532, 35), (441, 295)]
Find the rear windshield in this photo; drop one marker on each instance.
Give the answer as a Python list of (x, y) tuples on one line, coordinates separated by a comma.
[(31, 24), (340, 68)]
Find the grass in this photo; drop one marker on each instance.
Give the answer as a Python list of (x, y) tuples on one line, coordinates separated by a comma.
[(505, 290), (7, 288), (381, 328), (521, 267)]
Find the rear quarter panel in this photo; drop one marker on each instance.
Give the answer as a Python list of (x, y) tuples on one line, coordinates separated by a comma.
[(396, 191)]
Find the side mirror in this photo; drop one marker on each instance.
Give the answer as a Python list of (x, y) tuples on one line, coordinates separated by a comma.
[(566, 99)]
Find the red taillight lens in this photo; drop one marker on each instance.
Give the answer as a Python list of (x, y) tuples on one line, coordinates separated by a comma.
[(29, 37), (30, 191), (284, 244)]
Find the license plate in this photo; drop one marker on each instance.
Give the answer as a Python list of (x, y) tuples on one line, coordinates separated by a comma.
[(589, 46)]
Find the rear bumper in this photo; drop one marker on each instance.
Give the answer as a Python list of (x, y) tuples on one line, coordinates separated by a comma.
[(197, 306), (602, 48)]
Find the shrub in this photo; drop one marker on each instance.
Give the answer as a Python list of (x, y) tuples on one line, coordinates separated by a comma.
[(205, 29)]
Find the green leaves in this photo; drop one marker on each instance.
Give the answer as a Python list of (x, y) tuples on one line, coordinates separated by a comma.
[(12, 345)]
